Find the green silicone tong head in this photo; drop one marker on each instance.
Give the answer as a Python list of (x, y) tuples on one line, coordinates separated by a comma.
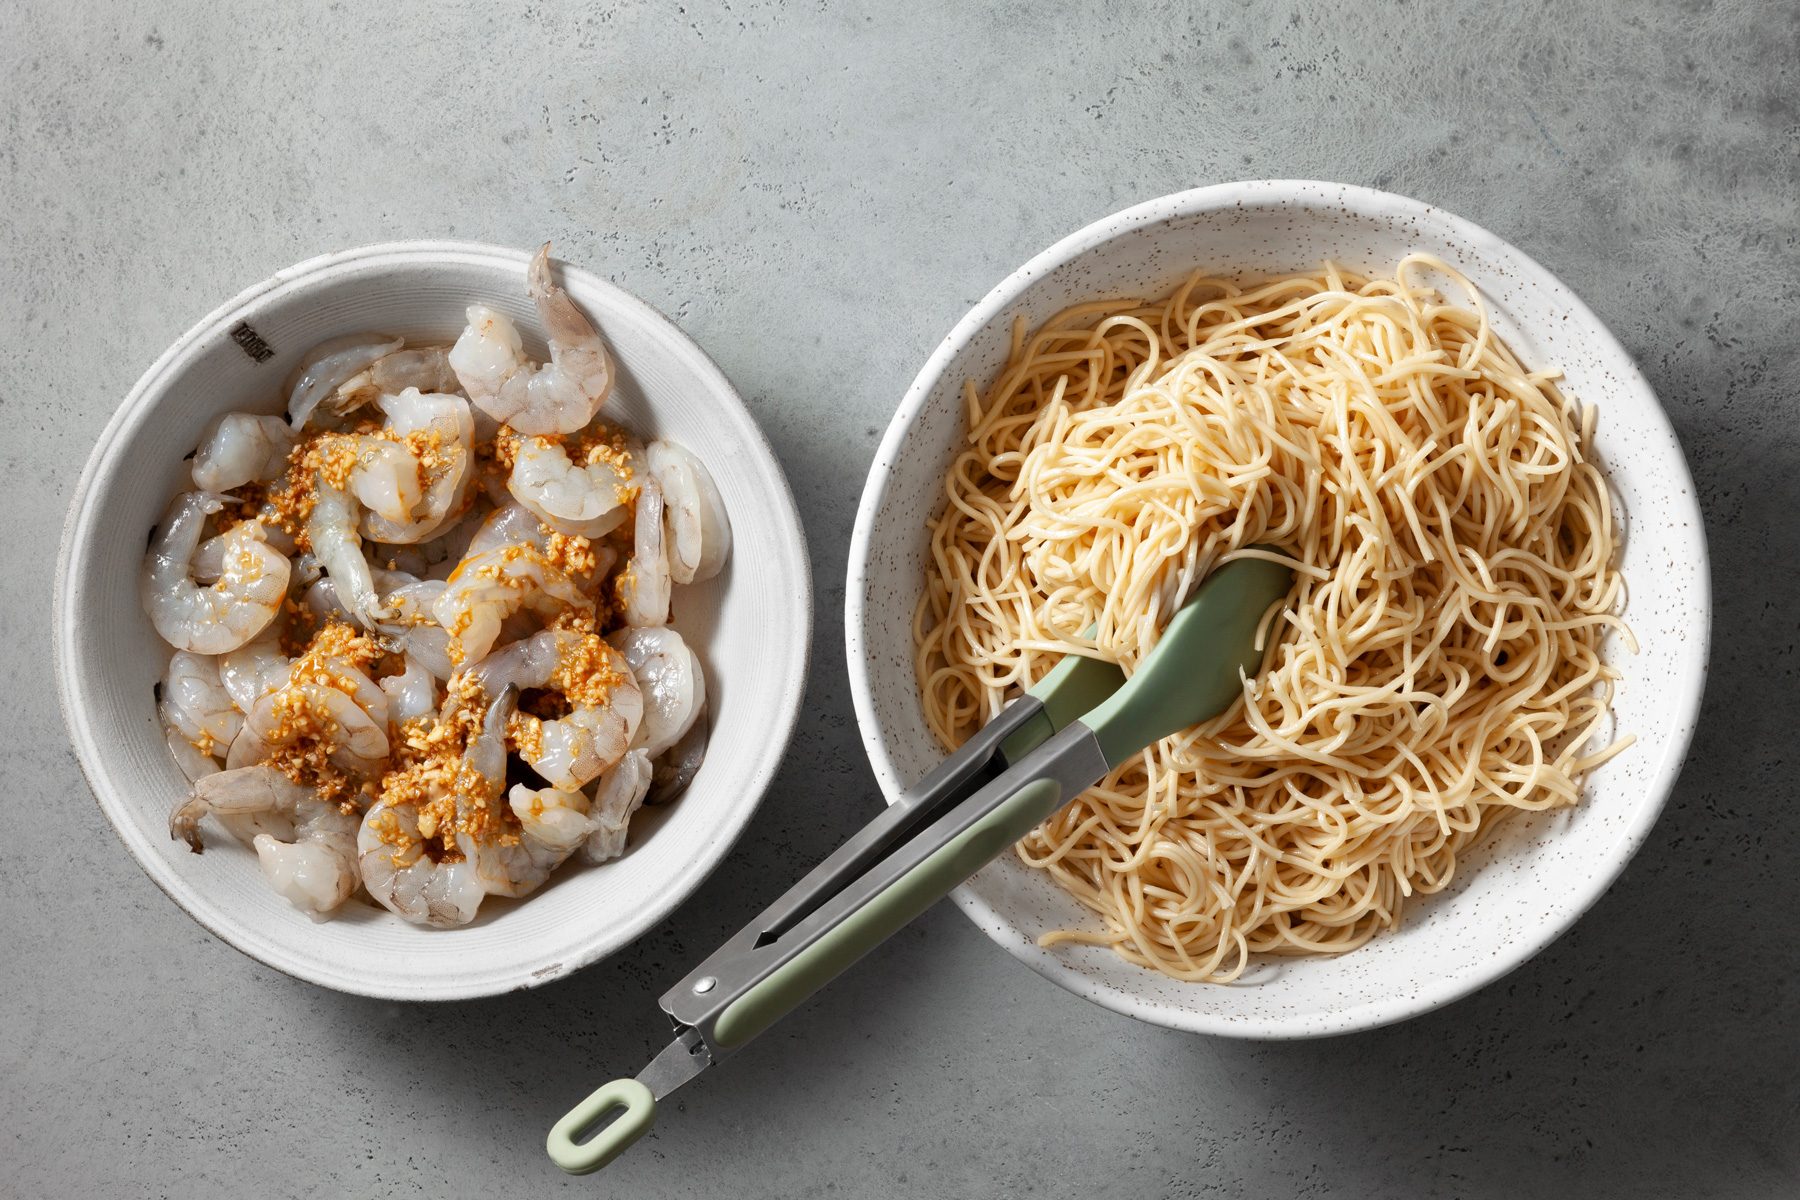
[(1082, 720)]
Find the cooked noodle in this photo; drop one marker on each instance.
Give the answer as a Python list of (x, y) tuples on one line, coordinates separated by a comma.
[(1436, 667)]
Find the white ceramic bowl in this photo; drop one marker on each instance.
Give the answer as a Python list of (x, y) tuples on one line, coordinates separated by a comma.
[(1521, 889), (750, 625)]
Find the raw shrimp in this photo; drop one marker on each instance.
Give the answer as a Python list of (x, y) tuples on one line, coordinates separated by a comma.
[(208, 562), (559, 397), (411, 694), (254, 669), (568, 751), (551, 817), (396, 869), (699, 531), (513, 524), (352, 738), (669, 677), (332, 531), (197, 702), (324, 603), (384, 478), (411, 626), (339, 673), (440, 555), (619, 794), (315, 870), (447, 430), (404, 879), (426, 368), (644, 587), (194, 763), (516, 866), (490, 586), (252, 582), (328, 366), (681, 762), (241, 448), (589, 498), (356, 683), (197, 765)]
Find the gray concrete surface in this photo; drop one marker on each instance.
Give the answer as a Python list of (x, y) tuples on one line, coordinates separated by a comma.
[(817, 191)]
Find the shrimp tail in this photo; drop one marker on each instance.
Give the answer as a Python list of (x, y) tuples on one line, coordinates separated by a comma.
[(257, 789), (563, 322), (184, 822)]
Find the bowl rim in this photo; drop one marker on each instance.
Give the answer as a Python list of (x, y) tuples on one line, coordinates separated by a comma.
[(791, 664), (1567, 908)]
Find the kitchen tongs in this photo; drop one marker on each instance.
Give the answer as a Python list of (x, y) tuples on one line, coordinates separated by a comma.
[(1081, 720)]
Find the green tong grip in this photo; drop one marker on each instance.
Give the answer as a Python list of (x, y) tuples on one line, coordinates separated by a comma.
[(581, 1158), (885, 913), (1195, 671), (1067, 691)]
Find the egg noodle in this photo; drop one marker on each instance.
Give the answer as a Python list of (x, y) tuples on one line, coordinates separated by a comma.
[(1436, 667)]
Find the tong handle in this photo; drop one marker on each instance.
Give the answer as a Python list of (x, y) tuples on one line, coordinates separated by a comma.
[(637, 1108), (783, 989)]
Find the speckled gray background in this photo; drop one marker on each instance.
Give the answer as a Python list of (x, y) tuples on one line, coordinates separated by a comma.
[(817, 192)]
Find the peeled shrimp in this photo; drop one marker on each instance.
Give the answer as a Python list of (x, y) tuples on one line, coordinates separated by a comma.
[(254, 669), (516, 866), (426, 368), (328, 366), (587, 499), (568, 751), (445, 467), (252, 583), (669, 677), (197, 702), (324, 603), (439, 556), (644, 587), (197, 765), (332, 531), (680, 763), (356, 683), (411, 694), (351, 737), (194, 763), (404, 879), (559, 397), (384, 480), (489, 587), (552, 817), (619, 794), (699, 531), (411, 625), (512, 524), (208, 562), (315, 870), (241, 448), (398, 872)]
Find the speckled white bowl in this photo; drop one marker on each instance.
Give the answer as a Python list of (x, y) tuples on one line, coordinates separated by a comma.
[(750, 625), (1520, 890)]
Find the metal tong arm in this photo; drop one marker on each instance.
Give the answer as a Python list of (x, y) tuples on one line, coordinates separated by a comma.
[(898, 840), (952, 781)]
